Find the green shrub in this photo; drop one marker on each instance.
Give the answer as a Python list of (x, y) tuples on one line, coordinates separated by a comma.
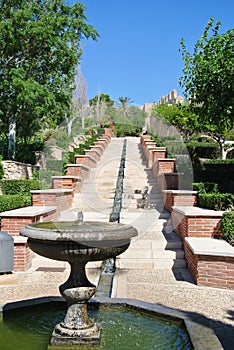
[(202, 150), (216, 201), (205, 187), (9, 202), (54, 165), (1, 168), (45, 178), (219, 161), (227, 224), (20, 187)]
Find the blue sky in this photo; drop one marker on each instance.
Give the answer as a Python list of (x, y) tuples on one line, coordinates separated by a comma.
[(138, 54)]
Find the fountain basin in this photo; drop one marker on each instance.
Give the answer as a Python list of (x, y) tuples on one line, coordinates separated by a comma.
[(69, 241), (194, 334), (77, 243)]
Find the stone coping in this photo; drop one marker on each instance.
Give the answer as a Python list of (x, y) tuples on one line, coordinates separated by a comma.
[(85, 156), (28, 211), (92, 150), (197, 211), (166, 159), (79, 165), (200, 334), (51, 191), (20, 240), (66, 177), (160, 148), (210, 246), (180, 191)]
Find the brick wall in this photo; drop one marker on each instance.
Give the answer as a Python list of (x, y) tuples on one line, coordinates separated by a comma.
[(210, 270), (66, 182), (78, 170), (93, 153), (179, 198), (196, 226), (23, 256)]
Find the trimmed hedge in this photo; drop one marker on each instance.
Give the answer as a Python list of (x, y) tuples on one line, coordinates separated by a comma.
[(216, 201), (10, 202), (227, 224), (205, 187), (54, 165), (19, 187), (1, 168)]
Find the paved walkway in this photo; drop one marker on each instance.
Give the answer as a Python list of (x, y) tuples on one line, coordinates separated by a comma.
[(152, 269)]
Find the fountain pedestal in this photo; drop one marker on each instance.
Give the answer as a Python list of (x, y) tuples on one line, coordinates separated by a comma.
[(78, 243), (77, 328)]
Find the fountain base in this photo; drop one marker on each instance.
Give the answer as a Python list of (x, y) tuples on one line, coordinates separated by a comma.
[(67, 337), (77, 328)]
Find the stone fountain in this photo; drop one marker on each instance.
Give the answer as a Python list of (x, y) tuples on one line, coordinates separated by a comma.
[(78, 243)]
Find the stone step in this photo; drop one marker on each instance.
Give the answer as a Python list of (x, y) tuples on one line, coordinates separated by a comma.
[(150, 264), (141, 253)]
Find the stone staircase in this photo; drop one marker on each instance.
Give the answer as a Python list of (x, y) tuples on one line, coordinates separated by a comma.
[(157, 245)]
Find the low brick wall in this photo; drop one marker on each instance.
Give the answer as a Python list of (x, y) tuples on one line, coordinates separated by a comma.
[(67, 182), (13, 220), (78, 170), (168, 181), (87, 160), (163, 165), (179, 198), (210, 262), (196, 222), (109, 132), (23, 255), (106, 137), (93, 153), (97, 148), (61, 199)]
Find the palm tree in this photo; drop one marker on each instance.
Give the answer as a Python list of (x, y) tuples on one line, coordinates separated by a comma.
[(124, 104)]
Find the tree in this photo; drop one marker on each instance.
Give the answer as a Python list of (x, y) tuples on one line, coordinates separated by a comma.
[(124, 103), (208, 81), (100, 103), (40, 47), (180, 116), (79, 100)]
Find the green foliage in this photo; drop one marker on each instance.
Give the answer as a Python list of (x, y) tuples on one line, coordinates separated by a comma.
[(9, 202), (20, 187), (57, 138), (54, 165), (227, 224), (39, 51), (220, 161), (208, 80), (205, 187), (101, 99), (1, 168), (216, 201), (45, 178), (180, 116)]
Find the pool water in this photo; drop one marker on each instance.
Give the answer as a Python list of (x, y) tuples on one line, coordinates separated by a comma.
[(122, 328)]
